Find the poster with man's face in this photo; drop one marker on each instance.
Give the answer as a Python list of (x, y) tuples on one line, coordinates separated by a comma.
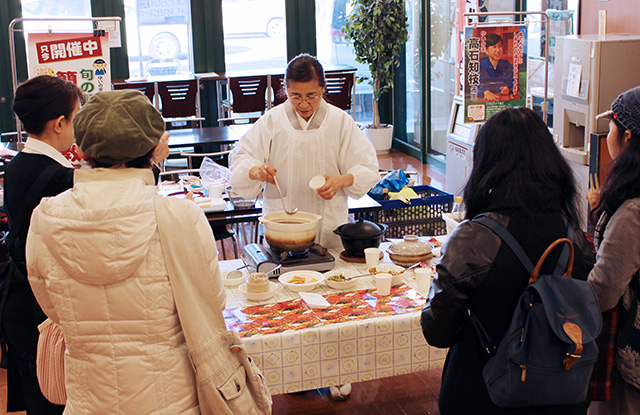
[(495, 74)]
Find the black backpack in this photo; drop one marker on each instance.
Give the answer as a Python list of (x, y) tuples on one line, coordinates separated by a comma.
[(547, 354)]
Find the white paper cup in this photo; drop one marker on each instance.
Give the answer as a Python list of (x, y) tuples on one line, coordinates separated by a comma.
[(383, 283), (215, 190), (316, 182), (423, 279), (372, 256)]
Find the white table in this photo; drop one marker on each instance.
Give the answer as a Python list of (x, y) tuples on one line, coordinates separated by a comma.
[(338, 353)]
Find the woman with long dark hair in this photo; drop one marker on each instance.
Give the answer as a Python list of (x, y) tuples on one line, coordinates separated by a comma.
[(617, 239), (520, 179)]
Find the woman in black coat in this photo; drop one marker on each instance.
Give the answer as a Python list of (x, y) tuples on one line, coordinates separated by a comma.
[(520, 179), (45, 106)]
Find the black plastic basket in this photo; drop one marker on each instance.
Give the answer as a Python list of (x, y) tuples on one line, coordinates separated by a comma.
[(423, 217)]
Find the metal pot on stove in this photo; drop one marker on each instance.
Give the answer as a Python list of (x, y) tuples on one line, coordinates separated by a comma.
[(286, 232), (358, 236)]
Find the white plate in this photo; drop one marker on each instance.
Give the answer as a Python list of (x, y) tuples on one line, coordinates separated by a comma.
[(340, 285), (314, 300), (307, 275), (273, 287), (395, 270), (240, 277)]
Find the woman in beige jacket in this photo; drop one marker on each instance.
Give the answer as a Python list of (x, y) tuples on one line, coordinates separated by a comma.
[(98, 269)]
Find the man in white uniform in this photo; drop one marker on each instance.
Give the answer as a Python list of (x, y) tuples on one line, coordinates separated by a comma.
[(300, 139)]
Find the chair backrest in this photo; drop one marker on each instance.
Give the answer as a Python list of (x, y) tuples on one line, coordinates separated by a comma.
[(339, 89), (179, 98), (278, 86), (195, 159), (147, 88), (248, 93)]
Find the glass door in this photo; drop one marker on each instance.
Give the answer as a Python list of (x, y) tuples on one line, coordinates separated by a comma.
[(254, 35), (333, 49), (159, 38), (442, 83)]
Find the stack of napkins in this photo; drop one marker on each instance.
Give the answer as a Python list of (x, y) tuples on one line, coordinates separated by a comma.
[(210, 205)]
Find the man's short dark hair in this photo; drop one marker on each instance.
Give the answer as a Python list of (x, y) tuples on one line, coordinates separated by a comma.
[(493, 39)]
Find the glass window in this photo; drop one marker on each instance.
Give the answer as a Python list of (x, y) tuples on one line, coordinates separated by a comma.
[(414, 70), (58, 8), (334, 50), (563, 20), (254, 35), (443, 70), (159, 37)]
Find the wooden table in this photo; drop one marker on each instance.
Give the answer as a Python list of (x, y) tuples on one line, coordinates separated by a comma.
[(233, 215)]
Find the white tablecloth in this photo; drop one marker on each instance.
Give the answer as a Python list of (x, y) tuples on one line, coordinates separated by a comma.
[(338, 353)]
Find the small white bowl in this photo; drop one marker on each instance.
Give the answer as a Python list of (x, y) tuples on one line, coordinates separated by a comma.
[(396, 271), (273, 287), (312, 278), (340, 285), (233, 278), (316, 182)]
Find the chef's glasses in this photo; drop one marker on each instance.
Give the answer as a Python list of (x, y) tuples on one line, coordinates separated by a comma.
[(298, 100)]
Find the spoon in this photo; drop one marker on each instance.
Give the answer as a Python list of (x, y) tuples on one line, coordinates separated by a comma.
[(356, 276), (417, 264), (288, 212), (273, 269)]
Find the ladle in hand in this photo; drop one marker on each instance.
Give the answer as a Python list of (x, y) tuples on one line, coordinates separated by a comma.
[(288, 212)]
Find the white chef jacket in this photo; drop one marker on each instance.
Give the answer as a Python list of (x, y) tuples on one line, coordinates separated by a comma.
[(332, 143)]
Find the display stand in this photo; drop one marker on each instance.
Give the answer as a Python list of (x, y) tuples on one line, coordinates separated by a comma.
[(12, 30)]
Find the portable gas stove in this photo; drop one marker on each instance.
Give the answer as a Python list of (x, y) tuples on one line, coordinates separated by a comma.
[(263, 259)]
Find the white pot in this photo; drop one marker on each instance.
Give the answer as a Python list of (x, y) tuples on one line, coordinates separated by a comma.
[(286, 232), (380, 138)]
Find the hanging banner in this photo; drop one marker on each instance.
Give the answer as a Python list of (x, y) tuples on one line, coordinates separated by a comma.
[(80, 58), (495, 70)]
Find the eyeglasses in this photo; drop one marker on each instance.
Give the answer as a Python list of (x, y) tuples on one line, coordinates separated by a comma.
[(298, 100)]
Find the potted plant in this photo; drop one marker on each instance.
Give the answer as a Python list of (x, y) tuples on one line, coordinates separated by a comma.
[(378, 30)]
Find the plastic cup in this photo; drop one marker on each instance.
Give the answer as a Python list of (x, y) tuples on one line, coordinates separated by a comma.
[(316, 182), (383, 283), (372, 256), (423, 279), (215, 190)]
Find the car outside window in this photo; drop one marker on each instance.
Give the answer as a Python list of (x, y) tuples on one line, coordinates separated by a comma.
[(159, 38)]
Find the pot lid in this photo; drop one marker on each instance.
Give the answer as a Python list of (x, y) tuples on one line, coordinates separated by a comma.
[(361, 228), (411, 245)]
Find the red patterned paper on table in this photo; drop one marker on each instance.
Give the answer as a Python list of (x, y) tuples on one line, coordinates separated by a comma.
[(347, 306)]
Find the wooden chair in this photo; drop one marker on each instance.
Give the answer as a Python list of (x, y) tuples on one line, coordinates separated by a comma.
[(339, 90), (180, 103), (278, 87), (147, 88), (247, 94)]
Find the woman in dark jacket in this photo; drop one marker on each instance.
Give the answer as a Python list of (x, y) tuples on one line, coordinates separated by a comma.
[(45, 105), (520, 179)]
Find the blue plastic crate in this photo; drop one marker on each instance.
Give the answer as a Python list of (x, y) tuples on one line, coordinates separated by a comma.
[(423, 217)]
